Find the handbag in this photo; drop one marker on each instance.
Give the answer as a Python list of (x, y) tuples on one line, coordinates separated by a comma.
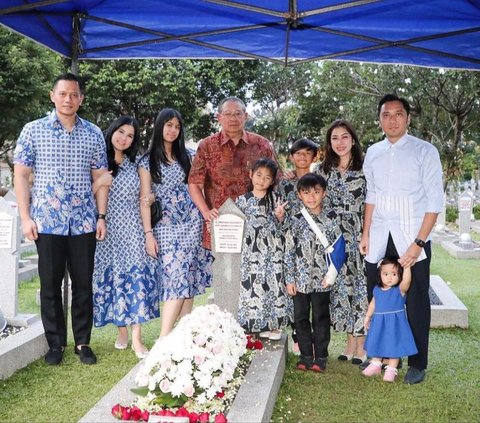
[(156, 212)]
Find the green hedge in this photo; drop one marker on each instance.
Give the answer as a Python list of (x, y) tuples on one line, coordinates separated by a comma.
[(476, 211)]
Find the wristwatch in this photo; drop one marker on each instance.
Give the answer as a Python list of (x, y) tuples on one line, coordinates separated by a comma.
[(419, 242)]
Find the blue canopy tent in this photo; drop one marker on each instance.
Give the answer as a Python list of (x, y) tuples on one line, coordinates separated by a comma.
[(434, 33)]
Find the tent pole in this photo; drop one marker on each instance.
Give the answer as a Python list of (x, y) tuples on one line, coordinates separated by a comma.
[(75, 43)]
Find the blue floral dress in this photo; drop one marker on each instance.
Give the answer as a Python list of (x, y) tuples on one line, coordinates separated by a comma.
[(345, 201), (263, 303), (185, 267), (125, 287)]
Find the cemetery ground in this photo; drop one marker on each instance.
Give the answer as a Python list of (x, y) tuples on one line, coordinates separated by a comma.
[(41, 393)]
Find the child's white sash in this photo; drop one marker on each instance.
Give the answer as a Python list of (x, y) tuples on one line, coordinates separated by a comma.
[(333, 265)]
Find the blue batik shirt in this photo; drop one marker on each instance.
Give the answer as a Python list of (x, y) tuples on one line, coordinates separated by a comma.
[(62, 201)]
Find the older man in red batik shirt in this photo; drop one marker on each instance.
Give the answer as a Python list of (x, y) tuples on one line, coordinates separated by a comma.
[(220, 169)]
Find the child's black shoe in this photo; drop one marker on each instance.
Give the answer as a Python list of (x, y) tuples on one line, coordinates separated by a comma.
[(319, 365), (305, 363)]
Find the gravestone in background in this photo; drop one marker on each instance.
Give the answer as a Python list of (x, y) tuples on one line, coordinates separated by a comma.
[(227, 237), (9, 243), (465, 205)]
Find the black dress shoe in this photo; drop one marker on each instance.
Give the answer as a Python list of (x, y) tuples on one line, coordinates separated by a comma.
[(414, 375), (86, 355), (54, 356)]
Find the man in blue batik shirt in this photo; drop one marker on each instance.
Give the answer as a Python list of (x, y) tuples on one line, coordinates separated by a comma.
[(65, 154)]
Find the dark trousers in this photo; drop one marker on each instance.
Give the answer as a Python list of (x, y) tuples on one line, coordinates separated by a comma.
[(77, 252), (418, 301), (314, 335)]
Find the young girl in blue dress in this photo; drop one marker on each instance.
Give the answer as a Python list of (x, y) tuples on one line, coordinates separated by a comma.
[(264, 307), (389, 334), (184, 266)]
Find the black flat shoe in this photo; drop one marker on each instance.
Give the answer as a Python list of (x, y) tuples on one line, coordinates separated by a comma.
[(54, 356), (86, 355), (345, 357)]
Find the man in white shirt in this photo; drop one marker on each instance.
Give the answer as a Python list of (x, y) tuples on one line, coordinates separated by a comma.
[(404, 197)]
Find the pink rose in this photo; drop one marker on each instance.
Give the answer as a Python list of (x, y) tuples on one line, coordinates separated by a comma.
[(165, 385), (220, 418), (204, 417), (182, 412), (117, 411), (217, 349), (126, 413), (135, 413), (169, 413), (193, 417), (145, 415), (188, 391)]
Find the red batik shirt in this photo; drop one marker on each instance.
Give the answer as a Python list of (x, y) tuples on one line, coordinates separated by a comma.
[(223, 167)]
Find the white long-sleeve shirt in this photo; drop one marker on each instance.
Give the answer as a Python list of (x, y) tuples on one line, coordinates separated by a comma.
[(404, 181)]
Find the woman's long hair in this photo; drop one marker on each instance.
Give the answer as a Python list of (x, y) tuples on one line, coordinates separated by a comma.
[(130, 152), (157, 148), (332, 160)]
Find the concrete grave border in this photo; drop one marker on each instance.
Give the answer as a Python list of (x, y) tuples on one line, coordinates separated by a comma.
[(254, 402)]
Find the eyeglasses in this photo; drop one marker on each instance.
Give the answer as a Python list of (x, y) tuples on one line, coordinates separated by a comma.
[(236, 115)]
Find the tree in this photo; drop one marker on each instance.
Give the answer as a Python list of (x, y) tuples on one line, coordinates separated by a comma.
[(26, 76)]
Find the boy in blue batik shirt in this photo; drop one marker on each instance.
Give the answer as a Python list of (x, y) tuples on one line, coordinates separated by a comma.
[(308, 274)]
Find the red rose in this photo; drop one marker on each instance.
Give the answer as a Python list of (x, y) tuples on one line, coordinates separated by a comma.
[(117, 411), (193, 417), (220, 394), (126, 413), (220, 418), (145, 415), (258, 345), (182, 412), (161, 412), (169, 413), (135, 413), (250, 345), (204, 417)]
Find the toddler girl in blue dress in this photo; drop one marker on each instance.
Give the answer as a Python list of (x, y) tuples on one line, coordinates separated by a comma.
[(389, 334)]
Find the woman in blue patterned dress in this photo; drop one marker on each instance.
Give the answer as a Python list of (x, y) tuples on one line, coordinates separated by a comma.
[(125, 289), (184, 265), (346, 189)]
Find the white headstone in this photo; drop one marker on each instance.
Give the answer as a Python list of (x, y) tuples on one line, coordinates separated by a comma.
[(465, 205), (9, 243), (227, 235)]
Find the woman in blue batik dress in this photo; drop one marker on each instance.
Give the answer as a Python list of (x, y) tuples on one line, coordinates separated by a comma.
[(176, 240), (125, 287), (346, 190)]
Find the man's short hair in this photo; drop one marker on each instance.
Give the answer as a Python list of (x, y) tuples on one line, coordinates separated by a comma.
[(311, 180), (236, 99), (70, 77), (304, 144), (393, 97)]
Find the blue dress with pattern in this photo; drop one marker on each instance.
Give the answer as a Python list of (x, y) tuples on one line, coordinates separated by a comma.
[(185, 267), (390, 334), (125, 287)]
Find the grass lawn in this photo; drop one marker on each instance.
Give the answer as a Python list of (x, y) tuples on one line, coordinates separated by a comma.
[(451, 391)]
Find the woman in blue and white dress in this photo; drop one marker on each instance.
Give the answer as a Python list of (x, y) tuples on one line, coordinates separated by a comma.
[(125, 287), (176, 240)]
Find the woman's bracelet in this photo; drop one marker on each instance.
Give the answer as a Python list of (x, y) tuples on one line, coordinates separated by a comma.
[(148, 232), (101, 216)]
